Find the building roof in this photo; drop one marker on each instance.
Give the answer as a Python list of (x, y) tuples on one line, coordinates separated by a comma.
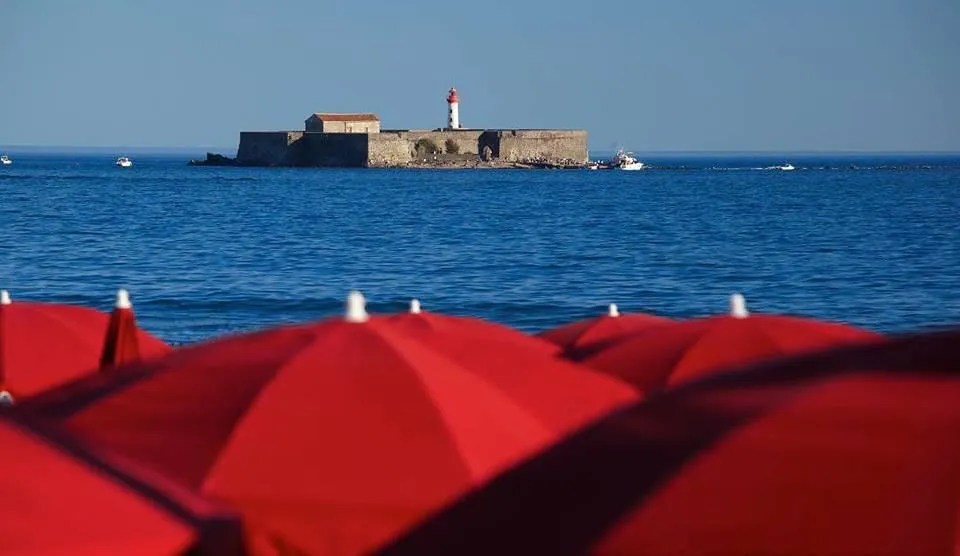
[(327, 117)]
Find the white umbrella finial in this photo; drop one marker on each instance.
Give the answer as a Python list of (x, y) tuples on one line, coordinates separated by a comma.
[(6, 398), (356, 308), (415, 306), (613, 311), (738, 306), (4, 297), (123, 299)]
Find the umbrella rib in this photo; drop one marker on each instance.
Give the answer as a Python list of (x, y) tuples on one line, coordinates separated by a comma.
[(684, 354), (890, 354), (763, 334), (575, 341), (451, 365), (71, 446), (58, 319), (62, 401), (237, 425), (73, 396), (656, 461)]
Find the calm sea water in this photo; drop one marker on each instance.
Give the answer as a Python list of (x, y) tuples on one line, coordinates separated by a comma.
[(869, 240)]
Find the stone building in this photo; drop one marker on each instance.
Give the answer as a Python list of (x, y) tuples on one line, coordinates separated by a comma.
[(342, 123)]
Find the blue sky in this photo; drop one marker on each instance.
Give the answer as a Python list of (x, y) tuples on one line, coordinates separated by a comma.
[(682, 75)]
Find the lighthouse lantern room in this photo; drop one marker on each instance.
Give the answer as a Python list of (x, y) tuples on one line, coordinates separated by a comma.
[(453, 109)]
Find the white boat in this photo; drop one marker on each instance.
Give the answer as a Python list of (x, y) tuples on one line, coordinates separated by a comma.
[(124, 162), (625, 161), (786, 166), (5, 160)]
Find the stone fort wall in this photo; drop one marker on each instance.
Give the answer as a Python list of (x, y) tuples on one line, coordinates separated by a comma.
[(268, 148), (400, 147), (397, 147), (332, 149), (539, 144)]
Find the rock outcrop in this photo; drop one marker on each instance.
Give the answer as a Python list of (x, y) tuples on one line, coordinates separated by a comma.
[(214, 159)]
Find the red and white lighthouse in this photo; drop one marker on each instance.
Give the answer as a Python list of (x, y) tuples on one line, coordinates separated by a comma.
[(453, 110)]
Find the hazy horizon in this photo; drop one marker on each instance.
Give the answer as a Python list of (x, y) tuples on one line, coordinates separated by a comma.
[(231, 151), (865, 76)]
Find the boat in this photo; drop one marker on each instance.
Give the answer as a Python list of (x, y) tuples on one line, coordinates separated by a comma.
[(625, 161), (593, 166), (786, 166), (5, 160), (124, 162)]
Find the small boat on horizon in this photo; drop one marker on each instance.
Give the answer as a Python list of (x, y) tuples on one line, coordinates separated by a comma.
[(5, 160), (124, 162), (625, 161), (786, 166)]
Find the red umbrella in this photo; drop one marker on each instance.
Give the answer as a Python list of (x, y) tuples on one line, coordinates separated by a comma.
[(574, 336), (46, 344), (121, 344), (853, 451), (497, 352), (677, 352), (463, 334), (58, 498), (337, 435)]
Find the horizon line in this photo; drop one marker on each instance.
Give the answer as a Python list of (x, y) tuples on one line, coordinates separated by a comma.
[(105, 147), (215, 149)]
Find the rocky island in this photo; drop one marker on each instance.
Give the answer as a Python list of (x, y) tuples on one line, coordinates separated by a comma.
[(357, 140)]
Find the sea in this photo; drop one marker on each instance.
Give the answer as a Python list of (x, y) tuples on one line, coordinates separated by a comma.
[(871, 240)]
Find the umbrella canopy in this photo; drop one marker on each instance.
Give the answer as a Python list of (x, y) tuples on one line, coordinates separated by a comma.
[(854, 451), (681, 351), (46, 344), (335, 435), (575, 336), (122, 341), (61, 499), (462, 335), (497, 352)]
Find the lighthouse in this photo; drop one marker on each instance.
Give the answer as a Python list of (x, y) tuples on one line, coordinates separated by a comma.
[(453, 110)]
